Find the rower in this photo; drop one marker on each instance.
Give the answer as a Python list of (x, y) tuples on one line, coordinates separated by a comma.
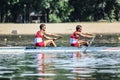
[(75, 36), (41, 34)]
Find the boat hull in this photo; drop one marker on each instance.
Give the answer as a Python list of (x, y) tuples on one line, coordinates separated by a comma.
[(57, 49)]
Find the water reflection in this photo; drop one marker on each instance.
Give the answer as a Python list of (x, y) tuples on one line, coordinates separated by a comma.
[(42, 66), (60, 66), (67, 67)]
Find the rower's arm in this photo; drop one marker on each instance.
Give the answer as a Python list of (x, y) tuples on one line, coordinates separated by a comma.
[(49, 38), (88, 35), (50, 34), (46, 36), (85, 35)]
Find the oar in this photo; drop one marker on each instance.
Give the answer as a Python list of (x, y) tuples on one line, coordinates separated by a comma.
[(91, 41), (58, 38)]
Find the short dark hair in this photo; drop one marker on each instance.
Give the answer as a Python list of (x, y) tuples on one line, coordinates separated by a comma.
[(41, 26), (78, 27)]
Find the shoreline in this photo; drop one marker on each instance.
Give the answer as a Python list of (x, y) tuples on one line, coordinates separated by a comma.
[(28, 40), (59, 28)]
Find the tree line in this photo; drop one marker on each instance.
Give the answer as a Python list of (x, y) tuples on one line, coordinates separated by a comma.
[(53, 11)]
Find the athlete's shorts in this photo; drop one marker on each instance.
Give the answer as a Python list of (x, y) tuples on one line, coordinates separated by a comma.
[(75, 44), (40, 44)]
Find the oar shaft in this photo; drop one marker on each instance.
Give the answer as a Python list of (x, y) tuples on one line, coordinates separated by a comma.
[(89, 44), (91, 41)]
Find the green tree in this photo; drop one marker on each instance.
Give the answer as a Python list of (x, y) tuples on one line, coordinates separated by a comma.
[(9, 10), (60, 10), (3, 10), (87, 10), (56, 10)]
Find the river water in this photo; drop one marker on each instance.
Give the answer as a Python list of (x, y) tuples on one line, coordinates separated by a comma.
[(60, 66)]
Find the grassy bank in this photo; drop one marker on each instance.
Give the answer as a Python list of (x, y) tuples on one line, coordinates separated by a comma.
[(28, 40)]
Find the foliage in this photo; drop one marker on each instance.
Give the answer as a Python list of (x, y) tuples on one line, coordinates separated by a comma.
[(54, 18), (94, 10), (60, 10)]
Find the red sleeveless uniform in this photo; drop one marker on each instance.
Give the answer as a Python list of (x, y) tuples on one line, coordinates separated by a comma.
[(39, 40), (74, 40)]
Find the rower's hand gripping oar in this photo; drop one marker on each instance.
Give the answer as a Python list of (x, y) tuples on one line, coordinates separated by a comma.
[(91, 41)]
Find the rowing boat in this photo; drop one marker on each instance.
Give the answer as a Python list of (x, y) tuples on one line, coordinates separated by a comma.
[(57, 49)]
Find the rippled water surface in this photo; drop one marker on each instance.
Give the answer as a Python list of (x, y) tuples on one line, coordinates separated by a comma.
[(60, 66)]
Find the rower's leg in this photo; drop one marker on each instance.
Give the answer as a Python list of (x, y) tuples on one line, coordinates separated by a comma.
[(82, 42), (49, 42)]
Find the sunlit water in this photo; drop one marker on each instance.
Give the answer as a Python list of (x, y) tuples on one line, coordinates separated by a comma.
[(60, 66)]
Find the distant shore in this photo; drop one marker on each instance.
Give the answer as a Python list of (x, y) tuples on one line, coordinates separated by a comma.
[(59, 28)]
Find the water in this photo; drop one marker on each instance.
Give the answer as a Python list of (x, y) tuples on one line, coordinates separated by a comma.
[(60, 66)]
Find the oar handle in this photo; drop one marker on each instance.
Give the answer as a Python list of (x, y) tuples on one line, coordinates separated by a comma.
[(57, 38)]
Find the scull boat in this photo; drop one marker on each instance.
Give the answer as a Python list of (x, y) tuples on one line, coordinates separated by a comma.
[(57, 49)]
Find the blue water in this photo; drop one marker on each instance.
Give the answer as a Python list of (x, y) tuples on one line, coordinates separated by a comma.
[(60, 66)]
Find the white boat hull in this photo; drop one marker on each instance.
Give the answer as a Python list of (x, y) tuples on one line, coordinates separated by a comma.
[(57, 49)]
